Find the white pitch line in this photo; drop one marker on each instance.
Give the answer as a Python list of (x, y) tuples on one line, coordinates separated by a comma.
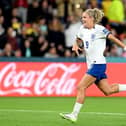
[(105, 113), (27, 111), (46, 111)]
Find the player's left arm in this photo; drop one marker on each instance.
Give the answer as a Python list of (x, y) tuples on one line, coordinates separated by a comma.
[(117, 41)]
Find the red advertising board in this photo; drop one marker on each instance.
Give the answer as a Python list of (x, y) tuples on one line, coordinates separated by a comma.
[(51, 78)]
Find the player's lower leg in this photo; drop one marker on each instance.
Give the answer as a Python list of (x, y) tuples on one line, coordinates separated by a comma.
[(85, 82), (79, 102), (77, 107), (118, 88)]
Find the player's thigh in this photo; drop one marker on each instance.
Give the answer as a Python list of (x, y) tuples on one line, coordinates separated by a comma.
[(104, 86), (86, 81)]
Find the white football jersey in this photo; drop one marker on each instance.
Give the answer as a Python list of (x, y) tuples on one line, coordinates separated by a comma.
[(94, 43)]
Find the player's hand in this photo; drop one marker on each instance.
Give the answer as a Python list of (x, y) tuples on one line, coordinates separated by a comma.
[(76, 48)]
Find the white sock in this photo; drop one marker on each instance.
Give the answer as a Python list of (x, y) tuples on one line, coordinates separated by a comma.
[(77, 108), (122, 87)]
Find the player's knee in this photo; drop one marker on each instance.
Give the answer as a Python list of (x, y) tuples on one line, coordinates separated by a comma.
[(81, 87)]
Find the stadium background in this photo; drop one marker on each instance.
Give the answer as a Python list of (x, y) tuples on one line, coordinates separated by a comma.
[(36, 37)]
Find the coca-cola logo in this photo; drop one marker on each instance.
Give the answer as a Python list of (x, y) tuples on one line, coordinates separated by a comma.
[(54, 79)]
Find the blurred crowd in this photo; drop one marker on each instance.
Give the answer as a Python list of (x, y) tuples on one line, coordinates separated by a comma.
[(48, 28)]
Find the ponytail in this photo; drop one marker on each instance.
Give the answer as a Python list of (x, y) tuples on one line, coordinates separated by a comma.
[(96, 13)]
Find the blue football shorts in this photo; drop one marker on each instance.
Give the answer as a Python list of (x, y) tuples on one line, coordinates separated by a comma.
[(98, 71)]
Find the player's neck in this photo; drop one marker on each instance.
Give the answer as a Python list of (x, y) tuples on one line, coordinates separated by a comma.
[(91, 26)]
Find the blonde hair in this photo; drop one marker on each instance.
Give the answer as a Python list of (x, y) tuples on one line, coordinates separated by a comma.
[(96, 13)]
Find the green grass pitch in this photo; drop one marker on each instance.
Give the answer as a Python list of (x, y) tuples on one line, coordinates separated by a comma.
[(44, 111)]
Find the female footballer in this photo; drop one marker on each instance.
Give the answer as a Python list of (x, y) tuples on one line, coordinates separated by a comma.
[(93, 37)]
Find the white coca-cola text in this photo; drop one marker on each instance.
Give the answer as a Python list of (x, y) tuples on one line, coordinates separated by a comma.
[(54, 79)]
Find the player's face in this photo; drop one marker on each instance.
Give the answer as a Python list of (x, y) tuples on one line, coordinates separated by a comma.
[(87, 20)]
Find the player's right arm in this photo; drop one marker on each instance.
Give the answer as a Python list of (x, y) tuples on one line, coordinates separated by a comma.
[(78, 45)]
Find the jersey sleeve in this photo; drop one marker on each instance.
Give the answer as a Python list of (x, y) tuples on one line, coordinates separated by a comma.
[(105, 32)]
